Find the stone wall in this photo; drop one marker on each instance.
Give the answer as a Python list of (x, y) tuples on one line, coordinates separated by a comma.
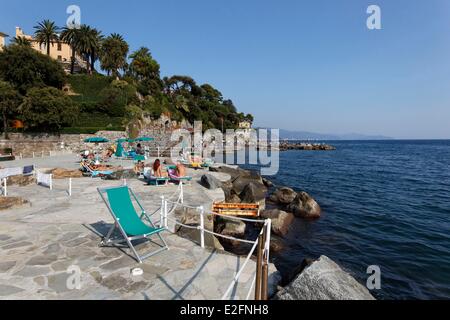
[(26, 144)]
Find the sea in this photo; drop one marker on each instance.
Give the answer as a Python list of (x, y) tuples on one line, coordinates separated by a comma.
[(384, 204)]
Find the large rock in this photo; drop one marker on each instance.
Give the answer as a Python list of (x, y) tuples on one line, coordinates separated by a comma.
[(191, 217), (232, 228), (281, 220), (210, 182), (324, 280), (240, 183), (304, 206), (253, 193), (276, 244), (283, 196), (233, 172)]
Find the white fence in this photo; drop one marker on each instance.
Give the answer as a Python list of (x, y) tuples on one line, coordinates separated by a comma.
[(266, 227)]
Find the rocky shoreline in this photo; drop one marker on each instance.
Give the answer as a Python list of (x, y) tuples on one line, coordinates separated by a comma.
[(287, 145), (282, 205)]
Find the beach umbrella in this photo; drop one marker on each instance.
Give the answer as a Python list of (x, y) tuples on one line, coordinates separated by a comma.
[(96, 140), (119, 151), (121, 140), (144, 139)]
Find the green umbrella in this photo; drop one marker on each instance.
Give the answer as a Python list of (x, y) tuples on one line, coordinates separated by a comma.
[(121, 140), (119, 151), (96, 140), (143, 139)]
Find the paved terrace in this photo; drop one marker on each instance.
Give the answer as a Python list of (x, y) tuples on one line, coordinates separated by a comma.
[(38, 242)]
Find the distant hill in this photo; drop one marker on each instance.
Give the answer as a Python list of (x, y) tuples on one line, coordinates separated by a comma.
[(304, 135)]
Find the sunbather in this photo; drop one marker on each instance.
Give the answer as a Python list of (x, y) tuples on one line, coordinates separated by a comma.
[(180, 170), (139, 167), (158, 172)]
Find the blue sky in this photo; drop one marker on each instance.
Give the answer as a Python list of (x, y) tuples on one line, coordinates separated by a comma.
[(307, 65)]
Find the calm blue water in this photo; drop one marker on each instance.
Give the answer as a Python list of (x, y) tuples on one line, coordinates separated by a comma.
[(385, 203)]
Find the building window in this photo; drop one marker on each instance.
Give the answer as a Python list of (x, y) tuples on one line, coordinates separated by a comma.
[(59, 58), (59, 46)]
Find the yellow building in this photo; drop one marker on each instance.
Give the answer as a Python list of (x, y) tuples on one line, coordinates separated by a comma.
[(3, 37), (59, 51)]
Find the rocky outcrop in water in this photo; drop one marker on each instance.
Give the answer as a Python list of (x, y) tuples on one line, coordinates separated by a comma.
[(284, 146), (304, 206), (281, 220), (283, 196), (324, 280)]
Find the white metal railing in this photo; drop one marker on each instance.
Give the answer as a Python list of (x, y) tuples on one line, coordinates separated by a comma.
[(164, 218)]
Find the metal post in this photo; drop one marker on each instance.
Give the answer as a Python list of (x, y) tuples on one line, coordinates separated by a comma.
[(33, 154), (181, 192), (70, 187), (161, 213), (265, 265), (265, 286), (5, 193), (165, 215), (268, 232), (51, 182), (202, 226), (158, 152), (259, 268)]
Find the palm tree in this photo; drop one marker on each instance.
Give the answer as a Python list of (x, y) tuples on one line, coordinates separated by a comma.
[(113, 55), (88, 45), (46, 33), (21, 41), (71, 37)]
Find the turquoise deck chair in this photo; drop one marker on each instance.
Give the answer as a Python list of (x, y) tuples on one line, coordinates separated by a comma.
[(128, 221)]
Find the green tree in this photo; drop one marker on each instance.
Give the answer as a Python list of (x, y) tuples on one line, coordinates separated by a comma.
[(113, 56), (47, 109), (9, 102), (21, 41), (46, 33), (88, 45), (71, 36), (143, 66), (25, 68)]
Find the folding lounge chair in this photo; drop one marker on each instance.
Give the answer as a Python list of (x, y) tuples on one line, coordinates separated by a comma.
[(152, 180), (174, 177), (98, 173), (128, 221)]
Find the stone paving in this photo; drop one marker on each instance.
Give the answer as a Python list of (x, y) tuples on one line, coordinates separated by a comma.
[(40, 242)]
